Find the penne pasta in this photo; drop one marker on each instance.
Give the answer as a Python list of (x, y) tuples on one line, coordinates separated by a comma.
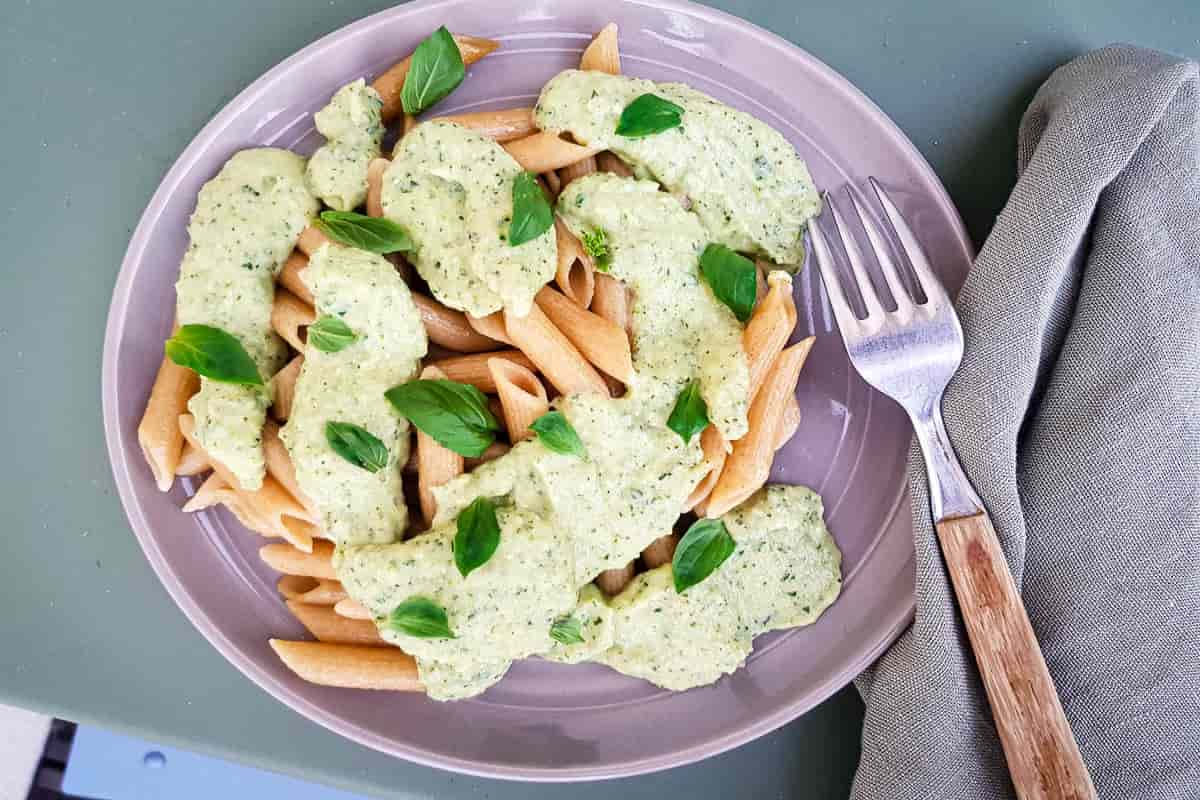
[(545, 151), (769, 327), (290, 561), (351, 609), (552, 353), (522, 396), (473, 369), (280, 467), (349, 666), (323, 593), (503, 125), (375, 171), (602, 55), (289, 276), (607, 161), (292, 586), (192, 461), (611, 301), (391, 81), (326, 625), (551, 184), (576, 275), (612, 581), (660, 551), (585, 166), (788, 423), (289, 315), (605, 344), (491, 326), (494, 451), (283, 387), (716, 450), (436, 464), (158, 433), (212, 492), (311, 240), (452, 329), (749, 464)]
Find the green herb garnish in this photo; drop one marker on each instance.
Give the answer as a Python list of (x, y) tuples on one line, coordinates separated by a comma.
[(374, 234), (690, 414), (478, 536), (329, 335), (556, 434), (420, 617), (567, 631), (435, 71), (531, 215), (702, 549), (214, 354), (595, 244), (732, 278), (647, 115), (357, 445), (456, 415)]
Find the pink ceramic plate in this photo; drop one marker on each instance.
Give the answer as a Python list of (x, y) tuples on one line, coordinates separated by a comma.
[(548, 721)]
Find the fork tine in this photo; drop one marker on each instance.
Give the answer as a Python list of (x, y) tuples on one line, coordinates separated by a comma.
[(833, 286), (928, 282), (866, 289), (883, 254)]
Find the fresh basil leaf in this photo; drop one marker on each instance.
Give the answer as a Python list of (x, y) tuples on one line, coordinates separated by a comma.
[(702, 549), (648, 114), (435, 71), (567, 631), (555, 433), (690, 414), (478, 536), (732, 278), (357, 445), (456, 415), (329, 334), (374, 234), (420, 617), (595, 244), (214, 354), (531, 214)]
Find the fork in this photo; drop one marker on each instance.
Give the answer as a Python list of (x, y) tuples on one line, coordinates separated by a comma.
[(910, 354)]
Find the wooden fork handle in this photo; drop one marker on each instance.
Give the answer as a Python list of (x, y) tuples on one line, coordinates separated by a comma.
[(1043, 757)]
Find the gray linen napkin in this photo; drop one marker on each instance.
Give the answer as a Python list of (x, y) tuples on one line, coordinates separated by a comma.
[(1077, 416)]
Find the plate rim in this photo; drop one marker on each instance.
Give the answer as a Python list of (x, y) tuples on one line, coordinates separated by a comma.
[(894, 624)]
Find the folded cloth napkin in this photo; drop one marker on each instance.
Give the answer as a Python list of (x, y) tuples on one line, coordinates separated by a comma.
[(1077, 416)]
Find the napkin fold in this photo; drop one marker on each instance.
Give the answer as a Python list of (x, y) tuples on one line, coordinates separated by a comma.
[(1077, 415)]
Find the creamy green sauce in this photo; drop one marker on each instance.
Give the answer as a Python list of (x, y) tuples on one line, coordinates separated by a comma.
[(785, 570), (364, 291), (681, 331), (595, 626), (247, 220), (352, 125), (746, 183), (451, 188)]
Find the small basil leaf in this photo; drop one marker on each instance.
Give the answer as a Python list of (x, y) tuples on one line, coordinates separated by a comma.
[(555, 433), (595, 244), (567, 631), (330, 334), (374, 234), (478, 536), (420, 617), (702, 549), (531, 214), (647, 115), (456, 415), (435, 71), (690, 414), (357, 445), (732, 278), (214, 354)]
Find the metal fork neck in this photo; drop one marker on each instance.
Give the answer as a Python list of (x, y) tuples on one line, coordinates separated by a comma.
[(950, 491)]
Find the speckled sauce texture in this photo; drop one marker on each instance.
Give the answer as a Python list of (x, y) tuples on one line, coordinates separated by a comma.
[(451, 188), (246, 222), (748, 186), (365, 292), (352, 125)]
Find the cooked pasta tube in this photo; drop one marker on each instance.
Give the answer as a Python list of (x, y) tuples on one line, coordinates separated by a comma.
[(192, 461), (611, 301), (351, 609), (660, 551), (473, 369), (545, 151), (349, 666), (289, 276), (749, 464), (326, 625), (311, 239), (522, 396), (602, 55), (716, 450), (553, 354), (503, 124), (576, 275), (292, 586), (284, 388), (289, 315), (290, 561), (607, 161), (211, 492), (604, 344), (494, 451), (435, 464), (769, 327), (317, 592), (452, 329), (158, 433), (280, 467), (491, 326), (789, 422), (585, 166), (391, 81), (375, 171), (551, 183), (612, 581)]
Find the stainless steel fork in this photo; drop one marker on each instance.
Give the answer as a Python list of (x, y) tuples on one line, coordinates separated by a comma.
[(910, 354)]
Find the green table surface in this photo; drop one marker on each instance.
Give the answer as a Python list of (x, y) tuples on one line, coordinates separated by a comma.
[(99, 99)]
